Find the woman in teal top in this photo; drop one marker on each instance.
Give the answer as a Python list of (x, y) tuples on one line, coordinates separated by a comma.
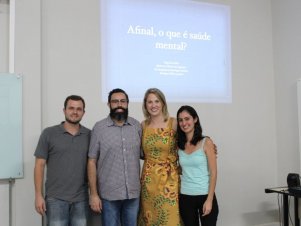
[(197, 159)]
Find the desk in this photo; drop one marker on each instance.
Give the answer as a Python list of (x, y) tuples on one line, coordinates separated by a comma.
[(285, 194)]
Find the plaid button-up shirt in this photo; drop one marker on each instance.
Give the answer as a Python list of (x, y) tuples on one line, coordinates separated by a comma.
[(117, 150)]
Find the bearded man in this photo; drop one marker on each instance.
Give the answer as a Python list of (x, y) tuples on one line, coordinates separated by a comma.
[(114, 164)]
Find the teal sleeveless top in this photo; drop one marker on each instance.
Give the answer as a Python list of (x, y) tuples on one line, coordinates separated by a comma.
[(195, 172)]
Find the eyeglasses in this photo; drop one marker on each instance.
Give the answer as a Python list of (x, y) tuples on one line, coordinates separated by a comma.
[(122, 101)]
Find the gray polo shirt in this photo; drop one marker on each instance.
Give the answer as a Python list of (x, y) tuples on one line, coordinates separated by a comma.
[(66, 157), (117, 150)]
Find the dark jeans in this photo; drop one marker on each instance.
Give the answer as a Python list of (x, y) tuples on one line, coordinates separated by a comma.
[(191, 208), (120, 212)]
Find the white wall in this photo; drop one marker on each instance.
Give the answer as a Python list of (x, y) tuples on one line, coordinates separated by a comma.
[(4, 22), (58, 52), (4, 18), (28, 64), (287, 55)]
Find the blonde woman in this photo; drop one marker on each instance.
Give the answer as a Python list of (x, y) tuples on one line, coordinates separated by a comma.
[(160, 178)]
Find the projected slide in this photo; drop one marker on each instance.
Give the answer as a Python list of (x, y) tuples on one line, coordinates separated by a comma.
[(181, 47)]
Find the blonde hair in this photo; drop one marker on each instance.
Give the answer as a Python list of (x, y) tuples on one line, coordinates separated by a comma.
[(158, 93)]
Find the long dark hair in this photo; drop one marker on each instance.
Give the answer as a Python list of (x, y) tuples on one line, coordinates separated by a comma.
[(198, 131)]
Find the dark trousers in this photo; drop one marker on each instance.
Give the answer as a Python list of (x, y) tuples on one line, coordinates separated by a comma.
[(191, 210)]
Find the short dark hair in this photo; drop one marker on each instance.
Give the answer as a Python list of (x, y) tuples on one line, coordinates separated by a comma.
[(117, 90), (76, 98)]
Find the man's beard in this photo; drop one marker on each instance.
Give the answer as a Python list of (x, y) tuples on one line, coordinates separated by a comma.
[(72, 122), (119, 116)]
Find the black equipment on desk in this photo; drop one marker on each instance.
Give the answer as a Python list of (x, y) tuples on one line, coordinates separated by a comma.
[(293, 183), (295, 190), (293, 180)]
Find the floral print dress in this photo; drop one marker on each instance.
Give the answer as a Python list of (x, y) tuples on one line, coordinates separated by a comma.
[(160, 178)]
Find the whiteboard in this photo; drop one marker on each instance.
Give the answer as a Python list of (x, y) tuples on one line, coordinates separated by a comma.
[(11, 158)]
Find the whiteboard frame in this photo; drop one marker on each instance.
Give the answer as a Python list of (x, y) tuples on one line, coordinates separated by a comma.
[(11, 142)]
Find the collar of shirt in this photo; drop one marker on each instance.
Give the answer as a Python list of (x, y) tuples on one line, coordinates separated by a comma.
[(63, 130)]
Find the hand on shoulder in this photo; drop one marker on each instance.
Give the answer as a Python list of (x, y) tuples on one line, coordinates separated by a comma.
[(143, 124), (174, 123), (209, 146)]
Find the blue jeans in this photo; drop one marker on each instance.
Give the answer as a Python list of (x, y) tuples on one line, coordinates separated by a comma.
[(63, 213), (126, 209)]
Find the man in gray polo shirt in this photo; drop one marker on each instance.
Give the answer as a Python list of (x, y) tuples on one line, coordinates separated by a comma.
[(114, 165), (64, 148)]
